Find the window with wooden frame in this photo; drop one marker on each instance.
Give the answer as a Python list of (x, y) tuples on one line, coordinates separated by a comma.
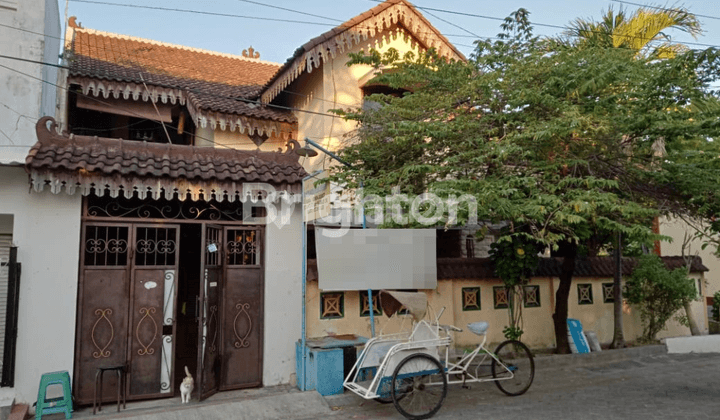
[(471, 299), (532, 296), (500, 297), (608, 292), (332, 305), (585, 295), (365, 307)]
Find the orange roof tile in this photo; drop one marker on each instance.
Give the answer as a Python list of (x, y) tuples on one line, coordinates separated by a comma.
[(217, 82)]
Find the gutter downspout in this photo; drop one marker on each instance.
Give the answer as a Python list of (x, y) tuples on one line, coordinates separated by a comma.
[(371, 304), (304, 280), (364, 225)]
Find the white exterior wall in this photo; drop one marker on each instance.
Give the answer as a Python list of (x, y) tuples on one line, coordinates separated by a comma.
[(23, 98), (51, 53), (283, 299), (46, 230)]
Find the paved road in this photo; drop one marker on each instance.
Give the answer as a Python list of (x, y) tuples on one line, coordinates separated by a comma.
[(661, 386)]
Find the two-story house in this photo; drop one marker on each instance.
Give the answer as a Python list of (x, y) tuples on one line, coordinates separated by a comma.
[(176, 173)]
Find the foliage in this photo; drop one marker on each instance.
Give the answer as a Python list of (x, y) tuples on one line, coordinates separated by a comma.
[(639, 32), (560, 140), (512, 333), (658, 292), (515, 258), (716, 307)]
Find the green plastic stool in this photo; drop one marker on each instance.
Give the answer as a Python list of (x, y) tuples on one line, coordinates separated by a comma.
[(54, 405)]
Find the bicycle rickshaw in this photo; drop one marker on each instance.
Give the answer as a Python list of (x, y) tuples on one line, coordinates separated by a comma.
[(409, 369)]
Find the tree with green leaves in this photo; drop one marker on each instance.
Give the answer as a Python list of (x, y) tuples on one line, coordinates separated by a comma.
[(644, 33), (555, 140), (658, 292)]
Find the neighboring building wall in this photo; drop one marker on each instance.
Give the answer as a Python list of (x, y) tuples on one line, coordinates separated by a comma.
[(51, 55), (23, 98), (677, 229), (46, 230), (538, 328), (283, 299)]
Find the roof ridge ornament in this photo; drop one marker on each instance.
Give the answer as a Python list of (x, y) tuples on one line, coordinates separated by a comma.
[(251, 53), (72, 22)]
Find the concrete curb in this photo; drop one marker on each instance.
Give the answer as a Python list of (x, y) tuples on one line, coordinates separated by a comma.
[(554, 361), (696, 344)]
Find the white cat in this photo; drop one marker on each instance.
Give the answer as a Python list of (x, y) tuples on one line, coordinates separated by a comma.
[(186, 387)]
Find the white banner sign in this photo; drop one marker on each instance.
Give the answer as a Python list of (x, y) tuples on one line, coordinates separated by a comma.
[(377, 259)]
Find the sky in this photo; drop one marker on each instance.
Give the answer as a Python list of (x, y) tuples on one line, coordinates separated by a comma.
[(252, 23)]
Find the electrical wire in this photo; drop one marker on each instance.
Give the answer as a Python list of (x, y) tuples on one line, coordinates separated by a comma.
[(240, 16), (546, 25), (247, 100), (376, 1), (9, 139), (290, 10), (20, 115), (200, 12), (16, 112)]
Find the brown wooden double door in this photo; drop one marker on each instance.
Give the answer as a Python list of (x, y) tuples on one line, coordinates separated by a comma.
[(127, 307)]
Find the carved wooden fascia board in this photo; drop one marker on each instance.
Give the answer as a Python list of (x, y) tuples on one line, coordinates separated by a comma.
[(343, 41)]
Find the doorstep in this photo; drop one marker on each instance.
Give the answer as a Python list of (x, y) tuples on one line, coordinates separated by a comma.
[(274, 402)]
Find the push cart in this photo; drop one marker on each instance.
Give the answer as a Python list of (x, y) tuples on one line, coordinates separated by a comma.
[(412, 369)]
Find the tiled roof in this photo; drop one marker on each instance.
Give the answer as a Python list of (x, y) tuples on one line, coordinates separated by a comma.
[(482, 268), (82, 159), (213, 81), (355, 31)]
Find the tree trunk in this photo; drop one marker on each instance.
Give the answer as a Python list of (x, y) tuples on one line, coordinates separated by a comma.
[(694, 330), (561, 299), (618, 336)]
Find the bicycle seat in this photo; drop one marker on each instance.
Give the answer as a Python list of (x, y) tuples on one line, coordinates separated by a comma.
[(479, 328)]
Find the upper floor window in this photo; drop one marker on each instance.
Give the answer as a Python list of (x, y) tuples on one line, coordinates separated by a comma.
[(368, 90), (129, 120)]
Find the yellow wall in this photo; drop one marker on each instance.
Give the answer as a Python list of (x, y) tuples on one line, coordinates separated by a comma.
[(537, 322), (677, 229), (336, 86), (207, 137)]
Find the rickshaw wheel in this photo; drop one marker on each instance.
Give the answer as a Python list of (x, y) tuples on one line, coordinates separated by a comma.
[(419, 386), (520, 372)]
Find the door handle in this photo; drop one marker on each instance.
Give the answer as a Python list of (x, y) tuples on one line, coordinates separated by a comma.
[(197, 308)]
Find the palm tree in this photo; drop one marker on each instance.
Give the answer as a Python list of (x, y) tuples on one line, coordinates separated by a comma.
[(640, 31)]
